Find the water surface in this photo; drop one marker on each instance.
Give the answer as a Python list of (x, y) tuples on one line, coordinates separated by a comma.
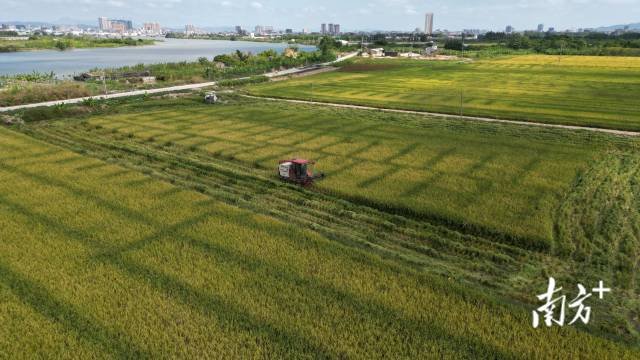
[(76, 61)]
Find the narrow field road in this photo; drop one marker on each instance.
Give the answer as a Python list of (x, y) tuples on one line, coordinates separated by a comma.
[(468, 118), (165, 89)]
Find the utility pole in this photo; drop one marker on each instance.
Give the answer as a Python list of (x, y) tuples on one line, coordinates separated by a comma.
[(412, 42), (104, 81)]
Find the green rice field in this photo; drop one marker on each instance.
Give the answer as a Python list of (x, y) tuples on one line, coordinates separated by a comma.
[(575, 90)]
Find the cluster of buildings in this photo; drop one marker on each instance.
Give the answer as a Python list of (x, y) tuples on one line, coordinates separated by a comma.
[(263, 30), (509, 29), (332, 29), (112, 25), (57, 30), (120, 27), (106, 28), (125, 27), (270, 31), (152, 28), (192, 30)]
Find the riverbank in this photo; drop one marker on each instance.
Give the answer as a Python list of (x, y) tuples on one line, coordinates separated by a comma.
[(66, 43), (66, 64), (224, 69)]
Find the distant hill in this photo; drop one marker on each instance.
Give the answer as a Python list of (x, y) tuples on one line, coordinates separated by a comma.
[(635, 26)]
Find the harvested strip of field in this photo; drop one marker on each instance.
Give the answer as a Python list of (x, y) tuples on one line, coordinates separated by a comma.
[(571, 90), (121, 265), (599, 226)]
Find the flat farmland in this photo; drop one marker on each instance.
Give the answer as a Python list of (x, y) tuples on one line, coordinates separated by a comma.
[(485, 178), (123, 265), (573, 90)]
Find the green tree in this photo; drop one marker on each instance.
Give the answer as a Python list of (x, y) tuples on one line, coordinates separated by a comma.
[(453, 44), (242, 56), (518, 42), (326, 45), (63, 45), (380, 39)]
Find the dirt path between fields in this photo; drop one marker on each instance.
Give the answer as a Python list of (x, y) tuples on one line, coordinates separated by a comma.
[(450, 116)]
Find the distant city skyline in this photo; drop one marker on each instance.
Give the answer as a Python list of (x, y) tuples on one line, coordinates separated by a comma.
[(354, 15)]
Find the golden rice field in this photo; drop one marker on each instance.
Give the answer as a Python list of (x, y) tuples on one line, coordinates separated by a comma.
[(485, 178), (102, 261), (575, 90), (613, 62)]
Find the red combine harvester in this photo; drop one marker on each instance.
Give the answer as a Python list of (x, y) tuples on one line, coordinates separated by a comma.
[(298, 171)]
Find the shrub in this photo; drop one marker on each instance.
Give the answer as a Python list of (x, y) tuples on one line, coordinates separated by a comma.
[(245, 81), (34, 93)]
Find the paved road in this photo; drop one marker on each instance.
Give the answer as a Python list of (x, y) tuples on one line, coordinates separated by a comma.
[(469, 118), (161, 90)]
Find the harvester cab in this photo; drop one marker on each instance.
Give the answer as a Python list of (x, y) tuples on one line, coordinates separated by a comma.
[(211, 97), (298, 171)]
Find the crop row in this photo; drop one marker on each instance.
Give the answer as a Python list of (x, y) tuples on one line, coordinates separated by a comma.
[(598, 92), (147, 269)]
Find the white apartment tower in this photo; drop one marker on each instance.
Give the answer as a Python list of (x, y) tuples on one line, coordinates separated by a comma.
[(104, 23), (428, 24)]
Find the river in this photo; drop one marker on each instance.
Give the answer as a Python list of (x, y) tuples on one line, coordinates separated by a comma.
[(75, 61)]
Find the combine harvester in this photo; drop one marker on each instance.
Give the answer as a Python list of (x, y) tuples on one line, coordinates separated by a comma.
[(298, 171)]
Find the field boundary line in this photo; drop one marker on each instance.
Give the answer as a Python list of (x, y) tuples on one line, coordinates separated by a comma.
[(451, 116)]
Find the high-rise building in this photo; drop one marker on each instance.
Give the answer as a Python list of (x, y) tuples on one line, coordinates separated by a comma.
[(263, 30), (288, 31), (540, 27), (508, 29), (118, 27), (336, 29), (152, 28), (323, 29), (190, 29), (126, 24), (104, 24), (428, 24)]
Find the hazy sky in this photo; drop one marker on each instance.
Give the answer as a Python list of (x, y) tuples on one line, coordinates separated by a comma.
[(352, 14)]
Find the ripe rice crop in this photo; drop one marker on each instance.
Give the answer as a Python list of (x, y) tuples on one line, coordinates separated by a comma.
[(99, 261), (501, 180), (576, 90)]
